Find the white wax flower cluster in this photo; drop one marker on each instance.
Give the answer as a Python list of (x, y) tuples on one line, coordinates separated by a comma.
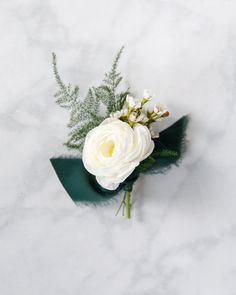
[(116, 147), (134, 112)]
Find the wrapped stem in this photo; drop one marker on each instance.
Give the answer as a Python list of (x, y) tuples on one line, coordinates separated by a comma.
[(127, 205)]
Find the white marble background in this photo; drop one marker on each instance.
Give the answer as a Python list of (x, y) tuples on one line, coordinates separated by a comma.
[(182, 237)]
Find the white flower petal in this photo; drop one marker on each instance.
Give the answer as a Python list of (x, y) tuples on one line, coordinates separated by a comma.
[(147, 94), (107, 183), (113, 149)]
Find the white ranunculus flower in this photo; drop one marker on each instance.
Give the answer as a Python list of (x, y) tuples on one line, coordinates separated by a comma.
[(113, 149)]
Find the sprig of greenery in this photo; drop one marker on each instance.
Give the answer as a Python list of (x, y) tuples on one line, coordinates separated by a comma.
[(87, 114), (107, 91)]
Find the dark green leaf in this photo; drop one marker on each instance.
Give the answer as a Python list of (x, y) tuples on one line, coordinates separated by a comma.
[(169, 148)]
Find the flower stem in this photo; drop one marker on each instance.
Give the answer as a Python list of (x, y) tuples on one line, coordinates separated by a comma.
[(122, 203), (127, 204)]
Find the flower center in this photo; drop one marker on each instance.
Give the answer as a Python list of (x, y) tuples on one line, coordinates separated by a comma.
[(107, 148)]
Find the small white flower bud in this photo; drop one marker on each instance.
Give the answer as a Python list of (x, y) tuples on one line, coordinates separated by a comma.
[(159, 114), (156, 109), (142, 118), (153, 133), (130, 100), (138, 105), (133, 103), (116, 114), (125, 112), (147, 95), (132, 117)]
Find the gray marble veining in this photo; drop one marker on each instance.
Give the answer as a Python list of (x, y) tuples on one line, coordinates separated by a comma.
[(182, 237)]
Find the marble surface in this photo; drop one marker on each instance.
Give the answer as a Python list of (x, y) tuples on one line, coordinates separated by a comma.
[(182, 237)]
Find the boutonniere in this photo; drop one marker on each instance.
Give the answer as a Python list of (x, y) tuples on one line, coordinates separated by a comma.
[(112, 133)]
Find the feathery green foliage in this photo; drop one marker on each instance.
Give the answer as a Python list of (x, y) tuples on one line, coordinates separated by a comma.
[(88, 113)]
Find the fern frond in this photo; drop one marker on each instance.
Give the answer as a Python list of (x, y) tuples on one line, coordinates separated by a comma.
[(111, 81), (86, 114), (66, 96)]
